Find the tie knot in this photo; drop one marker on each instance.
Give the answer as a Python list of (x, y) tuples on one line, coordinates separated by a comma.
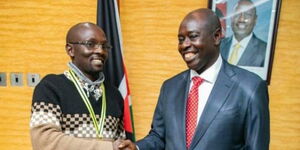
[(237, 45), (197, 81)]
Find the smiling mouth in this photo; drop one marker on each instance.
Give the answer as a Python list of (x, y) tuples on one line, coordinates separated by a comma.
[(241, 26), (97, 62), (189, 56)]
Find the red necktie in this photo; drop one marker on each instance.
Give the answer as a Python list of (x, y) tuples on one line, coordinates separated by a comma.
[(192, 111)]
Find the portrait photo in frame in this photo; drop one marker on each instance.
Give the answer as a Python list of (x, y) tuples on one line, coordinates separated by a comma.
[(249, 33)]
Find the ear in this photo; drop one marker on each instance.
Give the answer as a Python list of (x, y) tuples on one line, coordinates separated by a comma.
[(255, 20), (70, 50), (218, 36)]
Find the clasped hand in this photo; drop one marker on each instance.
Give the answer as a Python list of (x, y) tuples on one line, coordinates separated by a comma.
[(124, 145)]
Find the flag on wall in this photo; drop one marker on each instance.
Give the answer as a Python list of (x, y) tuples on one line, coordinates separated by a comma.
[(115, 71)]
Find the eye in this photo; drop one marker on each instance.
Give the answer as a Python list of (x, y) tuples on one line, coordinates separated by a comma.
[(180, 39), (193, 36), (90, 44), (248, 15), (107, 46)]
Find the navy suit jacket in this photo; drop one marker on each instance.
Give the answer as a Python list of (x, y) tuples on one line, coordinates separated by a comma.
[(254, 54), (236, 116)]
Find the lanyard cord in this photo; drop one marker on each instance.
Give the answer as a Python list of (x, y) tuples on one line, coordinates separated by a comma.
[(98, 126)]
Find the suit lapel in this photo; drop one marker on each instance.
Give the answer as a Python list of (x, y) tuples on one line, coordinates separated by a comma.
[(215, 101), (250, 52), (183, 84)]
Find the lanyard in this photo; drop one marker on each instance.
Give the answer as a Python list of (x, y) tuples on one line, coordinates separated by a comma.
[(98, 126)]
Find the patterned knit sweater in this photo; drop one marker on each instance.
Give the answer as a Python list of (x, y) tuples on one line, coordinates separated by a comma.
[(60, 119)]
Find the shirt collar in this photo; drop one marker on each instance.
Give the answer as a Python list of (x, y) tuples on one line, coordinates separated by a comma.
[(244, 41), (210, 74)]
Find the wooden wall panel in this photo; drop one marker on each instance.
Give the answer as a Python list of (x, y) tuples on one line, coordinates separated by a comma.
[(285, 81), (32, 38), (150, 46)]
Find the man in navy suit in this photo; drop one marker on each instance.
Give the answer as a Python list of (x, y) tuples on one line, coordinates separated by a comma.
[(250, 50), (232, 111)]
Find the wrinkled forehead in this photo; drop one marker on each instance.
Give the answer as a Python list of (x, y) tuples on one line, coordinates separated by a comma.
[(193, 23), (91, 31), (87, 32)]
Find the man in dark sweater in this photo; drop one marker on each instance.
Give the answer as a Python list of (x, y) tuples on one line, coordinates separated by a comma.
[(77, 109)]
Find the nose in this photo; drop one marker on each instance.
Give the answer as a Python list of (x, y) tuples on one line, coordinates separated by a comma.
[(99, 49), (242, 18), (100, 52)]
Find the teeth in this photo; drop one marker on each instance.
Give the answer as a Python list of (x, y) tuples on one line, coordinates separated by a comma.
[(189, 56), (241, 26), (97, 62)]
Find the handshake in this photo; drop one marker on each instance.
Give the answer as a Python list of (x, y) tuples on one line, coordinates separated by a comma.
[(124, 145)]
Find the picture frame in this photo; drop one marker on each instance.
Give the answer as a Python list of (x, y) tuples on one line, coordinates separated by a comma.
[(252, 24)]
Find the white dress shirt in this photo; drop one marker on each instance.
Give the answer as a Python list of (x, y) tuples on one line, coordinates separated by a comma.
[(210, 77)]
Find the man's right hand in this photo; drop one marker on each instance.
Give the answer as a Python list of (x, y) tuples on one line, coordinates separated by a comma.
[(124, 145)]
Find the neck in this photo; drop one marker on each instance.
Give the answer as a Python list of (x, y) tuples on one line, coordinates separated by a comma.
[(213, 60), (240, 37), (91, 78)]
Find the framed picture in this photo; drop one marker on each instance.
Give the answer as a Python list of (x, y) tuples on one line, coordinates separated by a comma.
[(249, 33)]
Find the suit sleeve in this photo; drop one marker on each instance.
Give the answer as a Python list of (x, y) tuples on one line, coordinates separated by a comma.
[(155, 140), (258, 119)]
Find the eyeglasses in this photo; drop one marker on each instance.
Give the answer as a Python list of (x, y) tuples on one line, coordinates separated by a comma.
[(93, 45)]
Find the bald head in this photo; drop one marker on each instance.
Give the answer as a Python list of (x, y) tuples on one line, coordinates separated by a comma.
[(75, 31), (204, 16), (248, 5)]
